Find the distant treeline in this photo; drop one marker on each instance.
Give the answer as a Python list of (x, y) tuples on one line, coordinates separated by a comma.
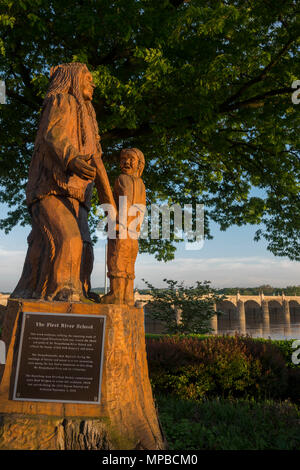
[(266, 289), (98, 290)]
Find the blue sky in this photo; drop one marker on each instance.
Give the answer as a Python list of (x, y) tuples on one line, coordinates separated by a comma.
[(232, 258)]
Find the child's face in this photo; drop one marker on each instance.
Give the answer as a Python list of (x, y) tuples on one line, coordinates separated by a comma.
[(129, 164)]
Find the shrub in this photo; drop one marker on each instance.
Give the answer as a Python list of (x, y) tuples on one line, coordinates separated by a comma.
[(229, 424), (285, 346), (226, 366), (294, 385)]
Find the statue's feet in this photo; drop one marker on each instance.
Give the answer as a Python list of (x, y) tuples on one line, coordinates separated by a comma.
[(66, 295), (129, 294), (111, 298), (93, 297), (116, 293), (129, 301)]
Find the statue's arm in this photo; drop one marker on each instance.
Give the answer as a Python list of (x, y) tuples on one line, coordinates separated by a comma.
[(123, 190), (123, 187), (105, 193)]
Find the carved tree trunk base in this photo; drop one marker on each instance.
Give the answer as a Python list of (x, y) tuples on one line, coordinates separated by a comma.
[(126, 417), (45, 433)]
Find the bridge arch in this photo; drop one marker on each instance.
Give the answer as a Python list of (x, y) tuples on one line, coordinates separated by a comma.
[(253, 313), (294, 309), (229, 313), (252, 308), (226, 307), (275, 308)]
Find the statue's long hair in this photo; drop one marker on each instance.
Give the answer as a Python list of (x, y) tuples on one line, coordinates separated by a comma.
[(66, 79)]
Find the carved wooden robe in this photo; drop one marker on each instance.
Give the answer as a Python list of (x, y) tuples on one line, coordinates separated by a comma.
[(59, 260)]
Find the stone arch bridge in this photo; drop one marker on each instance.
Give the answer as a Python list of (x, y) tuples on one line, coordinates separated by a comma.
[(239, 307)]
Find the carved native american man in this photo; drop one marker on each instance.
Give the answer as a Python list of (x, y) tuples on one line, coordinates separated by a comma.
[(59, 260)]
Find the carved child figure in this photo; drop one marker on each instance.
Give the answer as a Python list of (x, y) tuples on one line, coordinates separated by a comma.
[(123, 250)]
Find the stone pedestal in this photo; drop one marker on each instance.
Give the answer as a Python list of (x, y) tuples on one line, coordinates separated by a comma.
[(126, 418)]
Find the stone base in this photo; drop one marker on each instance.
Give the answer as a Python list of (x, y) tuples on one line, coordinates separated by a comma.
[(126, 418)]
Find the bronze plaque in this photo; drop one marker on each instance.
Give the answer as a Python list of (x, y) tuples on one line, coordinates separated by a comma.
[(60, 358)]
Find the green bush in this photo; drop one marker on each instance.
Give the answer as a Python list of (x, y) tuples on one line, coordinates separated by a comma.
[(294, 385), (229, 424), (226, 366), (285, 346)]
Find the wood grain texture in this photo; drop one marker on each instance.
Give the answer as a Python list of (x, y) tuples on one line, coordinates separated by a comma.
[(65, 161), (126, 417), (130, 198)]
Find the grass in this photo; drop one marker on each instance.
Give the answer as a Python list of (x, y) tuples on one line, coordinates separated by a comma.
[(229, 424)]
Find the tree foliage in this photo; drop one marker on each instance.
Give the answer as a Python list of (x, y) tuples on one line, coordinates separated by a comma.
[(202, 87), (183, 309)]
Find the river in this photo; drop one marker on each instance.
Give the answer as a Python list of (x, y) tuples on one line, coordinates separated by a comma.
[(277, 327)]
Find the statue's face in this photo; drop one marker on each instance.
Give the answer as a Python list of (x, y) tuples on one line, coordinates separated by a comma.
[(87, 86), (129, 164)]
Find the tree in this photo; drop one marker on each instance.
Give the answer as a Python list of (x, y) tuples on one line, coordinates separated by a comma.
[(202, 87), (184, 309)]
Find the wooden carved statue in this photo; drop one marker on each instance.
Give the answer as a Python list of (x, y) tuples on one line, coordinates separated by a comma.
[(66, 160), (123, 250), (65, 164)]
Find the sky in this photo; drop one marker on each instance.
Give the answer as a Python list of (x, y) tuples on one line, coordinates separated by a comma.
[(231, 259)]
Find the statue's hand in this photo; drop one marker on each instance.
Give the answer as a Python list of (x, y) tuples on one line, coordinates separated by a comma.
[(80, 166)]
